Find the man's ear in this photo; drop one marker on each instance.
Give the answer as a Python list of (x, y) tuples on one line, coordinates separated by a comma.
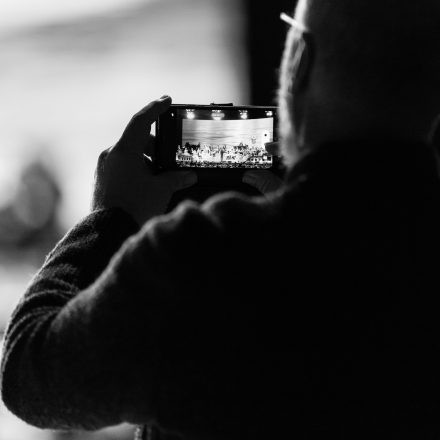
[(300, 85), (304, 66)]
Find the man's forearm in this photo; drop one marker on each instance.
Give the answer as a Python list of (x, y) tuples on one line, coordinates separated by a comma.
[(47, 367)]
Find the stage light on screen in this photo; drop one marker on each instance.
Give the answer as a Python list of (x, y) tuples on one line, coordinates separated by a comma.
[(190, 114), (217, 115), (243, 114), (269, 113)]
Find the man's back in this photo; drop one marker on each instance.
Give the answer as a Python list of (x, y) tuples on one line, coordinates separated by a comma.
[(311, 312), (325, 297), (364, 283)]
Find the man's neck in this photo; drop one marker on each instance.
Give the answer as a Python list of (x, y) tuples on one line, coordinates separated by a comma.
[(368, 130)]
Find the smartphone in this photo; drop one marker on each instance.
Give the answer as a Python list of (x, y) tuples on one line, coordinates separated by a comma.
[(220, 137)]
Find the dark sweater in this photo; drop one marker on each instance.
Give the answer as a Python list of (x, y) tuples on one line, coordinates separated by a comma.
[(311, 313)]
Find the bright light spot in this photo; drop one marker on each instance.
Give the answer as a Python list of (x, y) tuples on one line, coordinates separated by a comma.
[(190, 114), (243, 114), (269, 113), (217, 115)]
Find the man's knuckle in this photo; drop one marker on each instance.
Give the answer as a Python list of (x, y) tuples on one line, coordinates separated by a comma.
[(103, 156), (136, 118)]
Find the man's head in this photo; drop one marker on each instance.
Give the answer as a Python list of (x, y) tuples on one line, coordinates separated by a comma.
[(361, 70)]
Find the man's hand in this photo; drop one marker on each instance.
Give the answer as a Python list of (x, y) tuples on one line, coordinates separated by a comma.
[(124, 179), (265, 181)]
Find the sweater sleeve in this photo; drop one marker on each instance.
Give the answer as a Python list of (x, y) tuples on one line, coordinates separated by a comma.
[(108, 334), (49, 370)]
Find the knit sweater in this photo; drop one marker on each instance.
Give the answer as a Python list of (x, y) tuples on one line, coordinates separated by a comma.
[(309, 313)]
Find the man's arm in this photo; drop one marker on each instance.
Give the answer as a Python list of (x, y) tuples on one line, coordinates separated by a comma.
[(42, 365), (125, 348)]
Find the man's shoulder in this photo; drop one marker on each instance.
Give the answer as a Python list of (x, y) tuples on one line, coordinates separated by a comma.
[(224, 225), (224, 214)]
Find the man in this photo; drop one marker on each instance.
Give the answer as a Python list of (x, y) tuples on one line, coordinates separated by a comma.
[(324, 326)]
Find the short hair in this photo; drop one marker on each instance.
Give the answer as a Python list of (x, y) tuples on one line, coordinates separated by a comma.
[(386, 46)]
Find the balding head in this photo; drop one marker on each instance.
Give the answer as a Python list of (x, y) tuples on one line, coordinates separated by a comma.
[(376, 61)]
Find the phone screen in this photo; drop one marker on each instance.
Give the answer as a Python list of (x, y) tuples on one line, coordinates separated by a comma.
[(216, 137)]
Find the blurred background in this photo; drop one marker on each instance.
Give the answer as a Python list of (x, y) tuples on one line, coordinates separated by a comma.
[(71, 76)]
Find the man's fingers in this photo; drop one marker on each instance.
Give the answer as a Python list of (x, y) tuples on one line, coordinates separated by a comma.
[(263, 180), (180, 179), (150, 146), (185, 179), (136, 135), (273, 148), (99, 170), (153, 110)]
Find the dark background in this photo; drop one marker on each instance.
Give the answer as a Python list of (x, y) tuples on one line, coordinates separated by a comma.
[(265, 41)]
